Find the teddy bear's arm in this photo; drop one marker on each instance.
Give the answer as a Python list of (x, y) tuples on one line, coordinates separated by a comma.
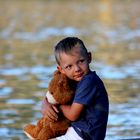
[(60, 127)]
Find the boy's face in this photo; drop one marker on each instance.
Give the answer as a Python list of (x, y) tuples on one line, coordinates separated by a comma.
[(74, 65)]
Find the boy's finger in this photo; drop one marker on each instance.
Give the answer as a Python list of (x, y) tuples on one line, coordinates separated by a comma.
[(52, 115), (52, 118), (55, 109)]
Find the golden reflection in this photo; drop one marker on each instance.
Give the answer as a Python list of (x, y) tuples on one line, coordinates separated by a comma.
[(105, 11)]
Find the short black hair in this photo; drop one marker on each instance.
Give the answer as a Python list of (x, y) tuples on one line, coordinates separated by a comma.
[(66, 45)]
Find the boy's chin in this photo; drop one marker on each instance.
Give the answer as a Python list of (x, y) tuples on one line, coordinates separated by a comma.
[(78, 79)]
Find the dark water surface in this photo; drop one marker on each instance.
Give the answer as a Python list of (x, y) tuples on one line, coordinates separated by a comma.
[(28, 32)]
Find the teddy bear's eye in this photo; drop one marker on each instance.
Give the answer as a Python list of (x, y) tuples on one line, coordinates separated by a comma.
[(52, 93)]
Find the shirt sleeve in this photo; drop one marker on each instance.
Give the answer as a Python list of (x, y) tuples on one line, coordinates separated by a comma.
[(86, 91)]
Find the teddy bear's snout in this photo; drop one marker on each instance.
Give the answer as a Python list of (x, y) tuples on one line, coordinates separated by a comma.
[(51, 98)]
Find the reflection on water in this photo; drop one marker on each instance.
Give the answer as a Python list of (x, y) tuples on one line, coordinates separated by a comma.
[(110, 30), (114, 72), (41, 35)]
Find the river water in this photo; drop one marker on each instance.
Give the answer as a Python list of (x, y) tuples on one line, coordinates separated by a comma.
[(28, 32)]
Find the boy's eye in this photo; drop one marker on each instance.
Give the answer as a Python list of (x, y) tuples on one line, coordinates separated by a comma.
[(82, 60), (68, 67)]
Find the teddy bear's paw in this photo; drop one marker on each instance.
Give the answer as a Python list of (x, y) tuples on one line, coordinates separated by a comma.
[(29, 136), (32, 130)]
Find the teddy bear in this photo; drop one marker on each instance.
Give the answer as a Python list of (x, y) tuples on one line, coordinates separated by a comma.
[(60, 92)]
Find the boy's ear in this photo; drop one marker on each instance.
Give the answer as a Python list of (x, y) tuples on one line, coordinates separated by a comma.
[(89, 57), (59, 68)]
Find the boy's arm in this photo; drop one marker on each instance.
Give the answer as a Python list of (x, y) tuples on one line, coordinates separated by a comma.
[(72, 112)]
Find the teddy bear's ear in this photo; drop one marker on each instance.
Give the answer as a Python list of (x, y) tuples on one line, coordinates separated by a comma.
[(57, 72), (62, 79)]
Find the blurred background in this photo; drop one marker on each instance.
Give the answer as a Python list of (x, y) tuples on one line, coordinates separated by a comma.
[(29, 29)]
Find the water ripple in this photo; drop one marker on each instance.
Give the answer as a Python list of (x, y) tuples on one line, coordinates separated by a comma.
[(41, 35), (24, 70), (5, 91), (114, 72), (20, 101)]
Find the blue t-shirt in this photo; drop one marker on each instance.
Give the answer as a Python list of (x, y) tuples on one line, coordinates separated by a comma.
[(92, 123)]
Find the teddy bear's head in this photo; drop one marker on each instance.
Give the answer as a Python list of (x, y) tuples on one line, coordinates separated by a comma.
[(61, 89)]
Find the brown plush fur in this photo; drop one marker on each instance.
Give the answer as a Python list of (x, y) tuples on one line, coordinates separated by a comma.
[(62, 90)]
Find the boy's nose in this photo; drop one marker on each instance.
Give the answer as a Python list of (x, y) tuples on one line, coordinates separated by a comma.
[(77, 67)]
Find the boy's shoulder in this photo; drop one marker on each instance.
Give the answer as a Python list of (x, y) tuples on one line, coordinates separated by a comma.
[(91, 79), (92, 75)]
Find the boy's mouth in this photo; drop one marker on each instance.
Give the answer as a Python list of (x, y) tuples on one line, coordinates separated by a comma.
[(78, 75)]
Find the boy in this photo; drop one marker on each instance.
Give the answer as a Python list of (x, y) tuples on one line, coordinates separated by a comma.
[(89, 110)]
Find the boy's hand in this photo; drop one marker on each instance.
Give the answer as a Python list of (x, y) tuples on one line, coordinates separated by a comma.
[(49, 111)]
